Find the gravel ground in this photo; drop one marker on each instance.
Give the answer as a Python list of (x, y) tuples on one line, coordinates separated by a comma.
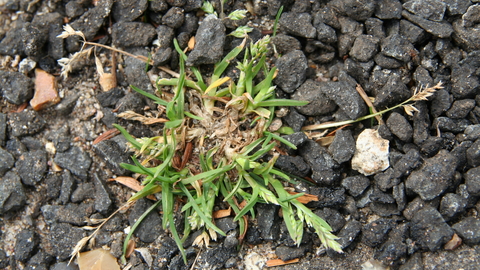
[(417, 209)]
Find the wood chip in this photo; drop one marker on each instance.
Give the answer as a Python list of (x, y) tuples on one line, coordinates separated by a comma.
[(454, 243), (46, 93), (222, 213), (278, 262)]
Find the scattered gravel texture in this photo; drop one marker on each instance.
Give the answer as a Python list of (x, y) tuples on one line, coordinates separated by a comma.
[(400, 214)]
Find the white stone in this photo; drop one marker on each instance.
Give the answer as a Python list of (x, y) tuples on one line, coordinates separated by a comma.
[(371, 154)]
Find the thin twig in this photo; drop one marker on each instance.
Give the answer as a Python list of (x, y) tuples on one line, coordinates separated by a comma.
[(367, 100)]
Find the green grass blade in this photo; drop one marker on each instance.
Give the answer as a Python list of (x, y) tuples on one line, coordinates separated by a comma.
[(282, 140), (128, 137), (198, 211), (150, 96), (281, 102)]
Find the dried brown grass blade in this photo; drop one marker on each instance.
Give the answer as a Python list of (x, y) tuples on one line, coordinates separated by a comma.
[(369, 103), (106, 135), (132, 183), (131, 115)]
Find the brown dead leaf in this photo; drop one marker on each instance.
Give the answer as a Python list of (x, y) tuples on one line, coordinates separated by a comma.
[(325, 141), (191, 43), (98, 259), (305, 198), (222, 213), (278, 262), (132, 183), (130, 248)]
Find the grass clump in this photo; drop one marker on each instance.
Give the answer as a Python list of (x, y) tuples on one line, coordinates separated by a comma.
[(215, 147), (212, 148)]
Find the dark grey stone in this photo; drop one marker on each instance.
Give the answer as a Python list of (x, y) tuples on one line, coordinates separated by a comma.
[(168, 249), (12, 194), (83, 192), (359, 10), (429, 229), (472, 181), (24, 123), (441, 29), (374, 27), (65, 107), (396, 46), (451, 205), (89, 24), (322, 164), (400, 127), (32, 166), (433, 177), (13, 42), (441, 102), (210, 39), (292, 68), (461, 108), (285, 43), (388, 9), (15, 87), (3, 129), (325, 33), (327, 197), (103, 202), (349, 233), (318, 103), (75, 214), (68, 185), (128, 10), (268, 221), (131, 101), (399, 195), (293, 165), (464, 83), (150, 228), (289, 253), (62, 238), (450, 55), (25, 244), (327, 15), (472, 16), (473, 154), (113, 155), (411, 32), (75, 160), (364, 48), (332, 217), (468, 230), (472, 132), (39, 261), (395, 247), (346, 97), (6, 161), (386, 179), (165, 36), (298, 24), (4, 260), (174, 17), (467, 37), (432, 10), (408, 162), (376, 232), (387, 62), (53, 185), (450, 125), (110, 98), (294, 120), (392, 93), (215, 258), (64, 265), (132, 34), (456, 7), (343, 146), (73, 9), (356, 185)]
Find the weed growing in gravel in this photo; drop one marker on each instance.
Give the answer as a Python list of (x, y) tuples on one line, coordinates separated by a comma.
[(418, 95), (216, 148)]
